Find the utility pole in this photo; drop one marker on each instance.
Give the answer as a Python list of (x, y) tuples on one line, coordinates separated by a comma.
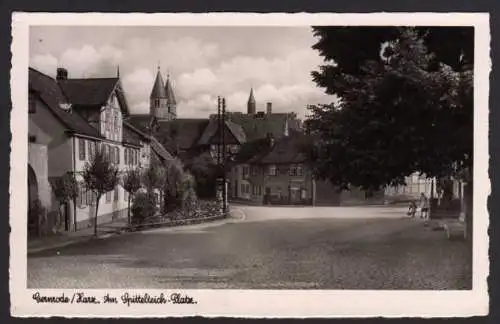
[(223, 140)]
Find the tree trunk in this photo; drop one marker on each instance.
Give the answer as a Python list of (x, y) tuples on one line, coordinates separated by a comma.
[(74, 216), (129, 220), (96, 213)]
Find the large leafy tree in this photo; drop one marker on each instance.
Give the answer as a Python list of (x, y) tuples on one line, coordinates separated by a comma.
[(405, 104)]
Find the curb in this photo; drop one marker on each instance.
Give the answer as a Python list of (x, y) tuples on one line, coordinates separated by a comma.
[(123, 231)]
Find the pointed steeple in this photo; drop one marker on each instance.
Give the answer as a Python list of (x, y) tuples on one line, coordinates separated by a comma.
[(251, 98), (251, 103), (169, 91), (158, 88), (118, 71)]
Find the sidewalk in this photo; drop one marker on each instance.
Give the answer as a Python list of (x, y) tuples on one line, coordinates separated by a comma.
[(82, 235), (104, 231)]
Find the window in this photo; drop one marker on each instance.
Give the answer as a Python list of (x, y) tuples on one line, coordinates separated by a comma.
[(260, 190), (82, 196), (299, 170), (116, 193), (245, 171), (125, 156), (242, 188), (81, 146), (108, 196), (91, 149), (117, 155), (272, 170), (292, 171), (116, 124)]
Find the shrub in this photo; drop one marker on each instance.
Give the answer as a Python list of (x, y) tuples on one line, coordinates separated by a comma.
[(144, 206), (189, 202)]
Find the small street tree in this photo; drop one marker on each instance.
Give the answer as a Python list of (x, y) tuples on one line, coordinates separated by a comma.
[(65, 190), (131, 184), (153, 178), (172, 186), (100, 177)]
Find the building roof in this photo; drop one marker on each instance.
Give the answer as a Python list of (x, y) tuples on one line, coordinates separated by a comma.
[(93, 92), (88, 92), (288, 149), (181, 133), (211, 130), (169, 91), (159, 149), (140, 122), (48, 90), (132, 135), (158, 90), (259, 125)]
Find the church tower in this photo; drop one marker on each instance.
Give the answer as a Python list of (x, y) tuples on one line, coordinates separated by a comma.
[(158, 99), (251, 103), (171, 102)]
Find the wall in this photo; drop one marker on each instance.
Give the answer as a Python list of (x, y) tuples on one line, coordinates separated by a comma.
[(111, 116), (278, 184), (50, 132), (415, 185), (108, 210), (38, 160)]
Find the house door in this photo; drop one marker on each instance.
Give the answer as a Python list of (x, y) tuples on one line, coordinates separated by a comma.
[(236, 188)]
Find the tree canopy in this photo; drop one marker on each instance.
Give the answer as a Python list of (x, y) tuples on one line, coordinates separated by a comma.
[(405, 104)]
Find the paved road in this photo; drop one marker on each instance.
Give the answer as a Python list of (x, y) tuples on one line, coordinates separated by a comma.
[(272, 248)]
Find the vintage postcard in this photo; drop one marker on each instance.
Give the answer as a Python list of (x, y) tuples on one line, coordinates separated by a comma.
[(249, 165)]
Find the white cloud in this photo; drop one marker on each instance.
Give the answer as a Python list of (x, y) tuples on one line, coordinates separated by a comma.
[(201, 69), (137, 86), (44, 63)]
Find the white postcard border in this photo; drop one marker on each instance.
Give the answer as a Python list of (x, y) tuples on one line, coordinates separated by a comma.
[(254, 303)]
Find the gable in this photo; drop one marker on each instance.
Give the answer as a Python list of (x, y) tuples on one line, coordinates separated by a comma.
[(229, 138)]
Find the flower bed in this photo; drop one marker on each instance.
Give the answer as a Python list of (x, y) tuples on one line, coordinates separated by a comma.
[(205, 211)]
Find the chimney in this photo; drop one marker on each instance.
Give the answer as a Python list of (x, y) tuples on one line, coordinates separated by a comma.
[(62, 74), (269, 108)]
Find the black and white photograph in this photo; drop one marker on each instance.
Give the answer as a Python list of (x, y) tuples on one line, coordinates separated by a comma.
[(165, 166)]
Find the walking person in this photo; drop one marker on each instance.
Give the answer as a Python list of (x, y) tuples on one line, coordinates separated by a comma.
[(424, 207)]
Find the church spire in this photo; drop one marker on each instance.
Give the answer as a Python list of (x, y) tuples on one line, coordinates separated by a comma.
[(118, 71), (169, 91), (251, 103), (158, 90)]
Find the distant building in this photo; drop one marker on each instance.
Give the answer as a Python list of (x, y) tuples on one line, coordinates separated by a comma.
[(162, 103), (69, 119)]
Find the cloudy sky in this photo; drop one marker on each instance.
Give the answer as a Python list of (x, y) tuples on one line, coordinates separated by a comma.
[(204, 62)]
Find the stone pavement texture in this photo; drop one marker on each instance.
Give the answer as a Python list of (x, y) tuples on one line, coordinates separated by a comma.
[(271, 248)]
